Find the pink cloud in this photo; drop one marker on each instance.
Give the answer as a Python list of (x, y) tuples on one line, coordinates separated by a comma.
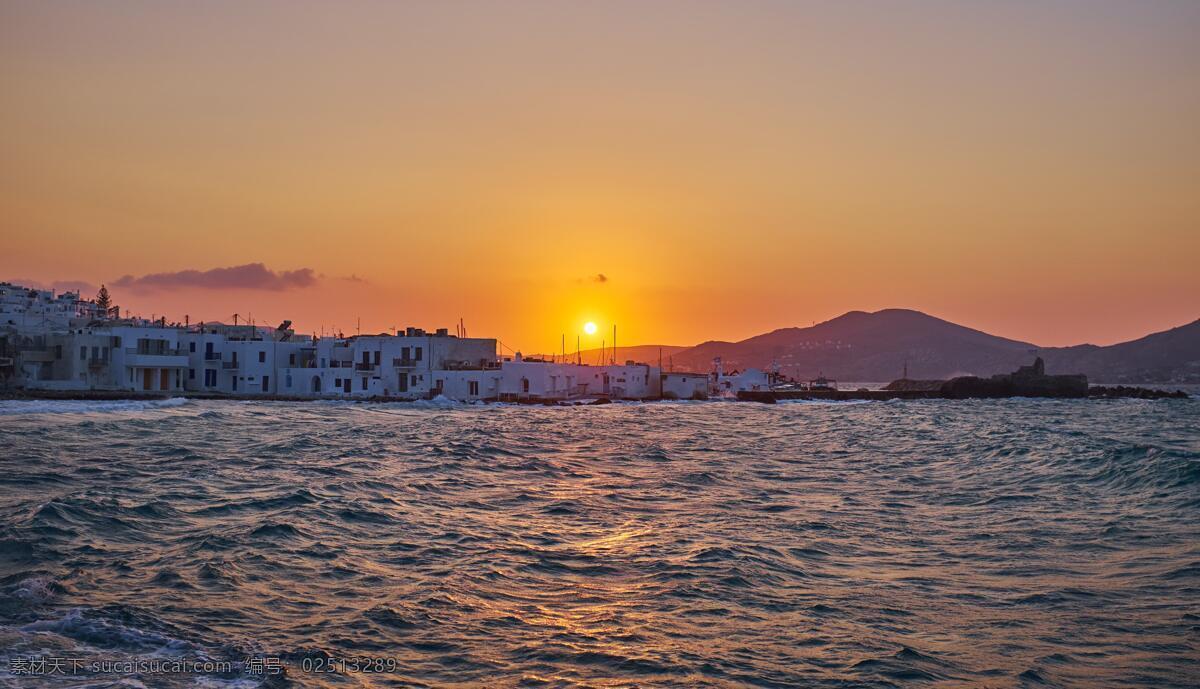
[(254, 276)]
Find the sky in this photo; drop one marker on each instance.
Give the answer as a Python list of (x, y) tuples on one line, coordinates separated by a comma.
[(687, 170)]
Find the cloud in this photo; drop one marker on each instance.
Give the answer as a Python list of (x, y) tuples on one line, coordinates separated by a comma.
[(84, 288), (249, 276), (600, 278), (353, 277)]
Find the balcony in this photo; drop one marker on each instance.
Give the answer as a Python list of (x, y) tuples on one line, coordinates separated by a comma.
[(231, 365), (96, 364), (212, 356), (365, 368), (405, 363), (164, 358)]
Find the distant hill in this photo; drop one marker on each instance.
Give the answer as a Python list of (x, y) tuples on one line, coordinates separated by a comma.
[(1170, 356), (861, 346)]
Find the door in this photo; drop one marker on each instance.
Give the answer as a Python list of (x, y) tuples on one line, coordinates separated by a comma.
[(147, 378), (164, 379), (346, 385)]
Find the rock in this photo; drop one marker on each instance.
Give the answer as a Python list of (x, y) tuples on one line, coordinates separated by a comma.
[(906, 385), (1115, 391), (1027, 381)]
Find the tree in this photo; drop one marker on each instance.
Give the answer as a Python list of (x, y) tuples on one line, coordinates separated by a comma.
[(102, 299)]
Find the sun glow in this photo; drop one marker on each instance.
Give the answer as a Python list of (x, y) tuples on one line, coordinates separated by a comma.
[(589, 328)]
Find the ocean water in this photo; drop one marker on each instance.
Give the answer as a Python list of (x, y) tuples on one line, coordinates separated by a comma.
[(1000, 543)]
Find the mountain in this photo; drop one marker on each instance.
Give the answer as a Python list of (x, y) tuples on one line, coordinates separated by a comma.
[(861, 346), (1172, 356)]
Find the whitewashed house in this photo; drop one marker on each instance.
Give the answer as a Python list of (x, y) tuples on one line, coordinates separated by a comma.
[(413, 364), (148, 358), (538, 379), (243, 359), (678, 385), (750, 379)]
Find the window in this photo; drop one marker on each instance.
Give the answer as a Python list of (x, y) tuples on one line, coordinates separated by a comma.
[(262, 357), (414, 380), (95, 352), (417, 355), (291, 362), (364, 384), (266, 384), (191, 374), (377, 357), (191, 346), (473, 387), (82, 353), (337, 382)]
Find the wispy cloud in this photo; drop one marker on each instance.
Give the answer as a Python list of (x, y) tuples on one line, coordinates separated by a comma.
[(600, 278), (254, 276), (84, 288)]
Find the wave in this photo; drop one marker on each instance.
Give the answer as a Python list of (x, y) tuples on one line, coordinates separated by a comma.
[(677, 544), (29, 407)]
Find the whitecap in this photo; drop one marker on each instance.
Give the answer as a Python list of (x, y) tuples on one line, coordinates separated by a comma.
[(20, 407)]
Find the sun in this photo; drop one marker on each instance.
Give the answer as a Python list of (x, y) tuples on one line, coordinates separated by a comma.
[(589, 328)]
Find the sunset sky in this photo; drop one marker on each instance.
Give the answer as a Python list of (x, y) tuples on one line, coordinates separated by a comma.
[(689, 170)]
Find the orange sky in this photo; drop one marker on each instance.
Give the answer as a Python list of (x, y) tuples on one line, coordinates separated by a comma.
[(1030, 169)]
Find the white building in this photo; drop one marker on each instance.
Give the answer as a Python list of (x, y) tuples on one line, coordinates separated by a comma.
[(685, 386), (750, 379), (65, 343), (538, 379), (410, 365), (36, 310), (243, 359)]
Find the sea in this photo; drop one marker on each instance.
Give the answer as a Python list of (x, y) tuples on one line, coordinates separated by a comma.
[(930, 543)]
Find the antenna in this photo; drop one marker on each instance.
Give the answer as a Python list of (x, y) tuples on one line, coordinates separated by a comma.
[(614, 357), (578, 361)]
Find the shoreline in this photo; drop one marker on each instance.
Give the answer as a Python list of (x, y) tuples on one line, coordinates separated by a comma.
[(1097, 392)]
